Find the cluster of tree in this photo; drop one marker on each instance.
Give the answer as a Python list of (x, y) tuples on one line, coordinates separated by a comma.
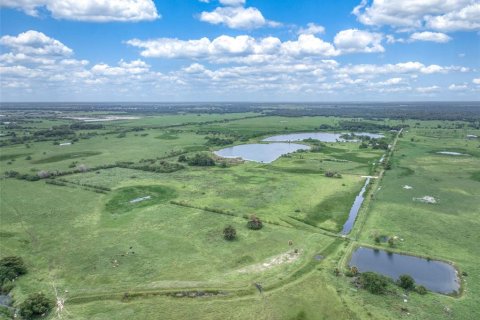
[(378, 284), (63, 182), (44, 174), (160, 167), (11, 268), (199, 160), (86, 126), (254, 223), (374, 143), (55, 132), (35, 306), (373, 282), (464, 111), (216, 141)]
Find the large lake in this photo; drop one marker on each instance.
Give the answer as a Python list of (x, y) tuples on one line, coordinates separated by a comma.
[(321, 136), (258, 152), (437, 276)]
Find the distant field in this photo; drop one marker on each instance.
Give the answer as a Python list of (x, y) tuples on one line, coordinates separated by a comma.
[(129, 230)]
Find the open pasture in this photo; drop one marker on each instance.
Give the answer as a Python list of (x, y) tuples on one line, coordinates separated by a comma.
[(126, 241)]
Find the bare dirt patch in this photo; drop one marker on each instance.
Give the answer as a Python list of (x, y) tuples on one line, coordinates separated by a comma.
[(284, 258), (426, 199)]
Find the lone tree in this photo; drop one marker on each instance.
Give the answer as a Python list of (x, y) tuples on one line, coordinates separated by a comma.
[(406, 282), (254, 223), (11, 268), (229, 233), (35, 306)]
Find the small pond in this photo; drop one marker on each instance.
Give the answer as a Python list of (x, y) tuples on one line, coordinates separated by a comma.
[(321, 136), (347, 227), (437, 276), (258, 152)]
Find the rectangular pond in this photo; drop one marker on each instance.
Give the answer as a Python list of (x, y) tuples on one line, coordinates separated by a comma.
[(437, 276), (321, 136), (258, 152)]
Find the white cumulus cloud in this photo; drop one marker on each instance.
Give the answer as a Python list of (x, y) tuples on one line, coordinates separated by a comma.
[(232, 2), (224, 47), (457, 87), (33, 42), (430, 36), (440, 15), (234, 15), (354, 40), (89, 10), (312, 28)]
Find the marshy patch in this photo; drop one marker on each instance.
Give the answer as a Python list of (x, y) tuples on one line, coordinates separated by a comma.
[(332, 212), (244, 260), (405, 171), (67, 156), (475, 176), (129, 198), (5, 157), (167, 136)]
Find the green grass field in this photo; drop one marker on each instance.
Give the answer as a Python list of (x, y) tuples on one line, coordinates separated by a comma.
[(85, 240)]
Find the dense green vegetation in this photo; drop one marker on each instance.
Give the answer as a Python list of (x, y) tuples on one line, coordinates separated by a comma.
[(131, 220)]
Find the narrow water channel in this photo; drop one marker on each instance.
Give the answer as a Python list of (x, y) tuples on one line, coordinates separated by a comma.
[(352, 216)]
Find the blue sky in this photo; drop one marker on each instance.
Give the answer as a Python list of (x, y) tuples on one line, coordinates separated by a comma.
[(237, 50)]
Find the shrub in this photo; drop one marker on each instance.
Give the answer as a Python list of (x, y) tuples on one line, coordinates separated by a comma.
[(332, 174), (421, 290), (254, 223), (182, 158), (301, 315), (391, 242), (406, 282), (352, 272), (11, 267), (329, 174), (6, 287), (82, 168), (11, 174), (229, 233), (373, 282), (35, 305), (201, 160)]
